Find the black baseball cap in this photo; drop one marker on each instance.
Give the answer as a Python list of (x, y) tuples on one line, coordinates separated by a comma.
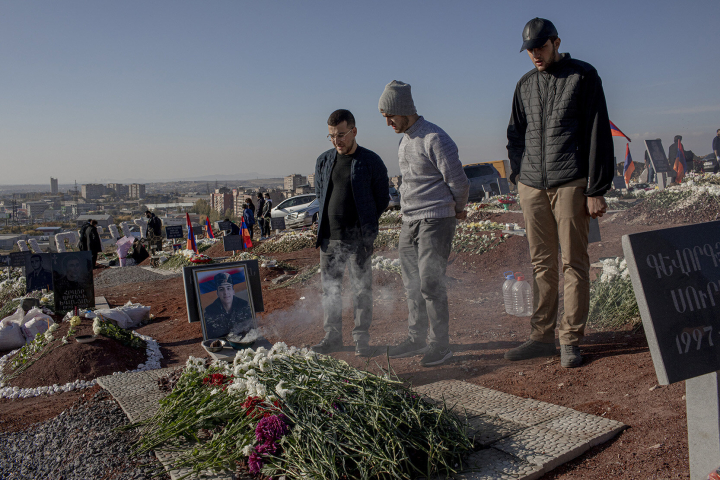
[(536, 32)]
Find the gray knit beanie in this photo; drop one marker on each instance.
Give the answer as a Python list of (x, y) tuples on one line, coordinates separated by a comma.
[(397, 99)]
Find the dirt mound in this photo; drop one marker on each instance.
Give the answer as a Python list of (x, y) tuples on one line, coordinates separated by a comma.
[(662, 209), (79, 361), (217, 251)]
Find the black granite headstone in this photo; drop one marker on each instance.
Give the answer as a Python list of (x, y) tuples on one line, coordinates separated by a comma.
[(619, 183), (503, 186), (232, 242), (197, 230), (174, 231), (277, 223), (657, 155), (224, 226), (38, 272), (73, 280), (17, 259), (675, 274), (4, 261)]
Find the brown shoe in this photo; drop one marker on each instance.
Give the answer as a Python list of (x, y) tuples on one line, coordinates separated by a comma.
[(531, 349)]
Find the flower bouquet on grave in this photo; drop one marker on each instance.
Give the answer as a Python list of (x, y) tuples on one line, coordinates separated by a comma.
[(291, 412), (506, 201), (200, 258)]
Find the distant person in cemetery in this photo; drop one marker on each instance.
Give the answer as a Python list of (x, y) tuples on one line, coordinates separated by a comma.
[(249, 218), (716, 145), (267, 214), (259, 215), (351, 184), (234, 229), (650, 168), (433, 195), (39, 277), (93, 242), (250, 205), (155, 226), (561, 156), (672, 155), (228, 312)]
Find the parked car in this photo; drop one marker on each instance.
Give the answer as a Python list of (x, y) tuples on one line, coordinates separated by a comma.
[(480, 174), (291, 205), (394, 199), (298, 211), (305, 216)]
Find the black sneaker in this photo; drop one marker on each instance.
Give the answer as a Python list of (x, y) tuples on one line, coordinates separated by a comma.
[(408, 348), (327, 345), (435, 355), (531, 349), (363, 349)]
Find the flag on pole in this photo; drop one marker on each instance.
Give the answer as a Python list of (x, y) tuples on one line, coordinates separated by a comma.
[(629, 166), (210, 233), (617, 133), (247, 242), (680, 165), (191, 245)]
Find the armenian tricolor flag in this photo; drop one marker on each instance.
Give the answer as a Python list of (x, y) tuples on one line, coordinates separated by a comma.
[(680, 166), (629, 166), (191, 245), (210, 233), (206, 280), (247, 242), (615, 132)]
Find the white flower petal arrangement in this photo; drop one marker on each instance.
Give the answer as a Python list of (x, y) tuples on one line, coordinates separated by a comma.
[(612, 298), (152, 363)]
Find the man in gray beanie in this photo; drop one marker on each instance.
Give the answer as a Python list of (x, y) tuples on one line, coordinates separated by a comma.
[(433, 194)]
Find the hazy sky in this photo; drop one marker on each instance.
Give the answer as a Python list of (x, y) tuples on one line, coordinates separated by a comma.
[(98, 90)]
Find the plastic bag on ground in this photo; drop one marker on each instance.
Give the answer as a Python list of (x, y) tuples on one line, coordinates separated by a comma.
[(38, 324), (139, 313), (11, 336), (116, 316)]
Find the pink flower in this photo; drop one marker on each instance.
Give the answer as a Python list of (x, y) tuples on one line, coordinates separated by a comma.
[(271, 428), (255, 463)]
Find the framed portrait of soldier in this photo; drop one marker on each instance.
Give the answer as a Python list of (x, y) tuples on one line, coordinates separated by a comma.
[(73, 280), (38, 272), (224, 300)]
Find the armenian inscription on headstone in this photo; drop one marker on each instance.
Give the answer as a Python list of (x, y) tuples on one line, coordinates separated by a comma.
[(73, 280), (676, 278), (17, 259), (174, 231), (675, 274), (277, 223), (233, 242)]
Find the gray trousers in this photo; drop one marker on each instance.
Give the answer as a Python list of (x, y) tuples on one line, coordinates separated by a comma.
[(424, 250), (334, 256)]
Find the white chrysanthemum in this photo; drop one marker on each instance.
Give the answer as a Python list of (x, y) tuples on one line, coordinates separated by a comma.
[(625, 274)]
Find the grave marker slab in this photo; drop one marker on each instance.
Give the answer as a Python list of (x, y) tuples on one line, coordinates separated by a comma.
[(174, 231), (503, 186), (657, 155), (17, 259), (233, 242), (73, 280), (277, 223), (675, 274), (619, 183)]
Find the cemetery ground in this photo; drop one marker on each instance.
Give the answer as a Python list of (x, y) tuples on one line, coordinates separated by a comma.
[(616, 381)]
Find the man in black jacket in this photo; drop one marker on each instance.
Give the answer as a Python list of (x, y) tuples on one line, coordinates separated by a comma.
[(154, 230), (351, 185), (259, 215), (93, 241), (561, 154)]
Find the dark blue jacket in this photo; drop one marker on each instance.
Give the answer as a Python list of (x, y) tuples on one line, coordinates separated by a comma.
[(370, 188), (249, 217)]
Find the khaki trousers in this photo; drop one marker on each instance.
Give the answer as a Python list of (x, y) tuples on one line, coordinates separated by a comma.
[(558, 217)]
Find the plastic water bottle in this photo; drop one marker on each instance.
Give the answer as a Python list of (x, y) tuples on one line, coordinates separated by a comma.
[(507, 292), (522, 297)]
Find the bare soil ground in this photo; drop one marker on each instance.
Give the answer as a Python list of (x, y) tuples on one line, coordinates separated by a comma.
[(617, 379)]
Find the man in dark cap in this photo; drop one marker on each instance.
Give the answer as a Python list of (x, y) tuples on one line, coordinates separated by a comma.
[(561, 156), (228, 313)]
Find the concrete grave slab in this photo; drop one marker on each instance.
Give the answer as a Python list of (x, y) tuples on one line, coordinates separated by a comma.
[(516, 438)]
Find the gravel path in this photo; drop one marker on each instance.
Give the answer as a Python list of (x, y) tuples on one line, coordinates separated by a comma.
[(77, 444), (113, 277)]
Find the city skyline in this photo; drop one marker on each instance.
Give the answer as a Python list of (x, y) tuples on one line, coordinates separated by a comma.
[(112, 92)]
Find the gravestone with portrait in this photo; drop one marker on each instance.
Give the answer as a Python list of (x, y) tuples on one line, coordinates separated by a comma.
[(675, 274), (73, 280), (224, 298), (38, 272)]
